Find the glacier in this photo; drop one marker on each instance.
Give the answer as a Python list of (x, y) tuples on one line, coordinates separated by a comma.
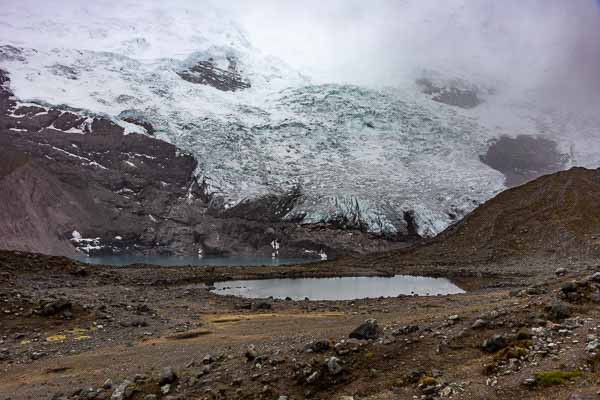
[(377, 158)]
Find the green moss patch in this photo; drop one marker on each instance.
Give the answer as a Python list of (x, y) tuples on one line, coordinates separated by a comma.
[(550, 378)]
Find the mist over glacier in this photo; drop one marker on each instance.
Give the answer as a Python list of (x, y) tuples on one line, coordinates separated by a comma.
[(333, 106)]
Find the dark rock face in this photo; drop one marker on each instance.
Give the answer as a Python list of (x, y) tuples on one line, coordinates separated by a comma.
[(144, 124), (270, 208), (450, 95), (207, 73), (11, 53), (62, 171), (524, 158)]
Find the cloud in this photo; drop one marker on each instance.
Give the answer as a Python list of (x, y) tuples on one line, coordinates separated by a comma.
[(530, 43), (552, 46)]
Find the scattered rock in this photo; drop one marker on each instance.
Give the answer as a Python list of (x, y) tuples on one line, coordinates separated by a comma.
[(480, 324), (592, 346), (165, 389), (319, 346), (167, 376), (535, 290), (560, 271), (405, 330), (124, 391), (251, 353), (333, 365), (312, 378), (530, 382)]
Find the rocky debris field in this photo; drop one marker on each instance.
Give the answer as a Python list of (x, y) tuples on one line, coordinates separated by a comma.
[(70, 331)]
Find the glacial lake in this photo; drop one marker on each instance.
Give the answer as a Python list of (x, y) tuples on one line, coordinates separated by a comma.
[(345, 288), (175, 261)]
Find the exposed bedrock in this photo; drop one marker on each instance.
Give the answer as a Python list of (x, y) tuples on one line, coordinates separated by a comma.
[(207, 73), (524, 158), (452, 94)]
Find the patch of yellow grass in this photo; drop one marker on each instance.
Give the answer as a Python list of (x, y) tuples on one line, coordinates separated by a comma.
[(76, 331), (56, 338), (224, 318)]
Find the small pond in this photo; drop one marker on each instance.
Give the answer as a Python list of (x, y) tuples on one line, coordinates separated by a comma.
[(345, 288), (173, 261)]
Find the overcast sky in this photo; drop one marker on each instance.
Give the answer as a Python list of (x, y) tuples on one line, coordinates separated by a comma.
[(533, 42), (550, 44)]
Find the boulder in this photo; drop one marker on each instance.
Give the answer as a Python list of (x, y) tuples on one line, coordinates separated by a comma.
[(367, 330), (124, 391), (559, 311), (167, 376), (333, 365), (568, 287), (494, 344), (251, 354)]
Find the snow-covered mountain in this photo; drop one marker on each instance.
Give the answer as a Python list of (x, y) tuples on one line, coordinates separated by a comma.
[(389, 160)]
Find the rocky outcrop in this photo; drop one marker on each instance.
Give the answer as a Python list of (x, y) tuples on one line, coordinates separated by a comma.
[(524, 158), (207, 73), (452, 95)]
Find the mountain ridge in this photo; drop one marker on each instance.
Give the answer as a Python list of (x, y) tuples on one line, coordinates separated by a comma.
[(554, 216)]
